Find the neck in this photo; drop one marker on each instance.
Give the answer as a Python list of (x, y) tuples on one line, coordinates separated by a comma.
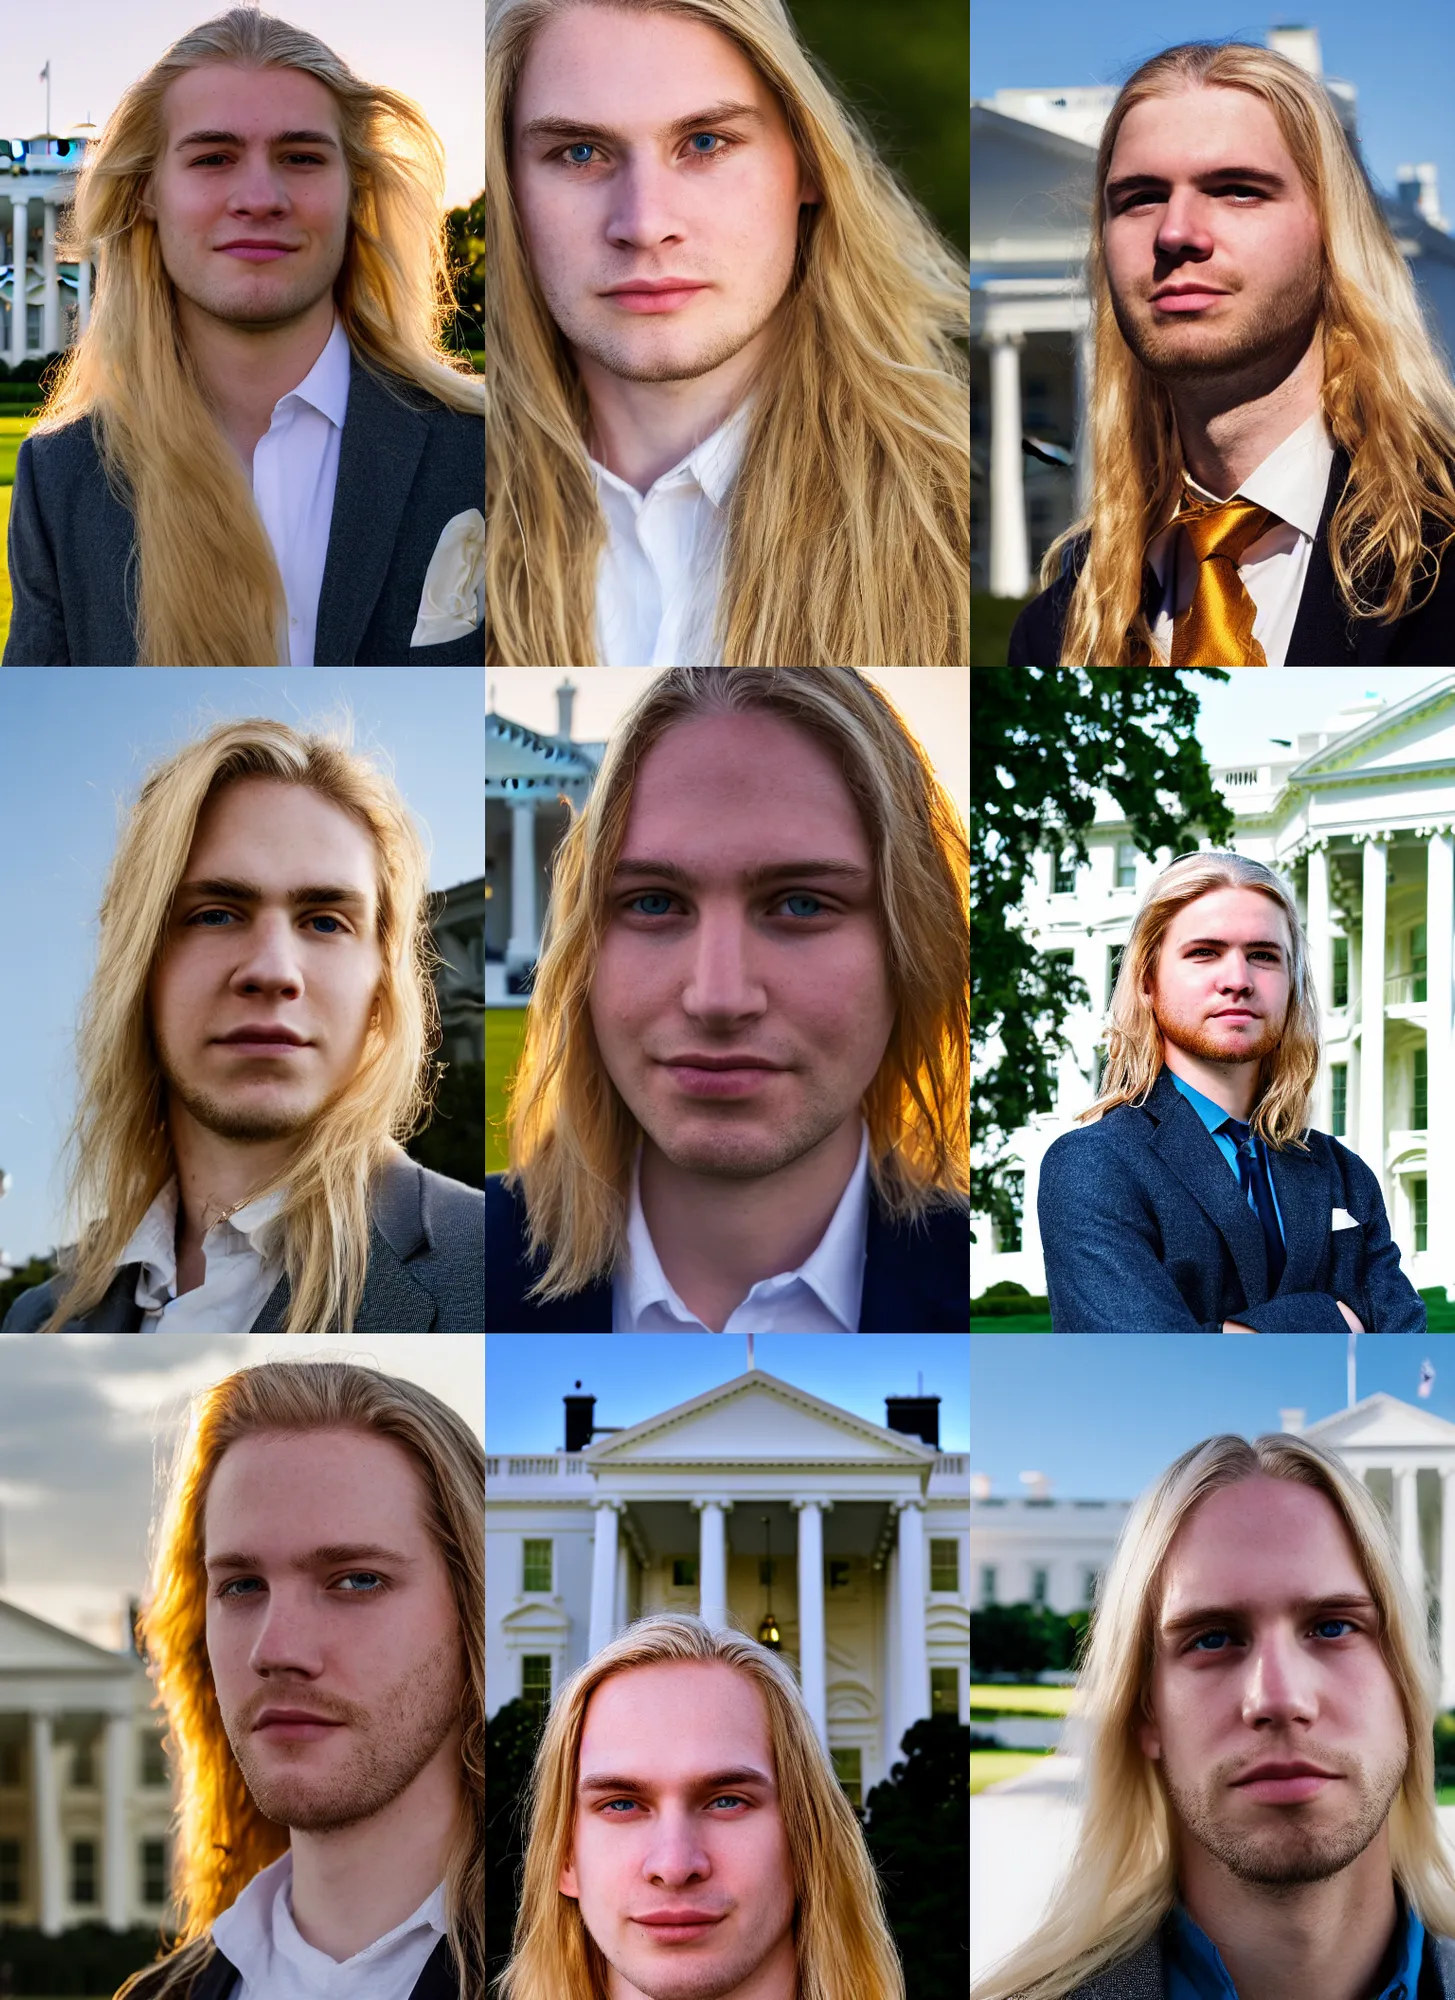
[(1284, 1943), (1232, 1085), (215, 1176), (246, 370), (716, 1238), (1228, 427), (639, 430)]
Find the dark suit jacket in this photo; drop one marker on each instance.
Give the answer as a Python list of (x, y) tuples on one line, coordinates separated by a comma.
[(1323, 633), (218, 1977), (915, 1280), (1140, 1977), (407, 466), (1144, 1229), (425, 1272)]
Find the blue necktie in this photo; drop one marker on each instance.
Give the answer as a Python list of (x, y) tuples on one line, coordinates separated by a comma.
[(1253, 1174)]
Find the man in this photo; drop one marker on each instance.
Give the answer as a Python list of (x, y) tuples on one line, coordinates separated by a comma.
[(1200, 1200), (727, 418), (309, 1630), (670, 1847), (735, 1058), (1268, 403), (1261, 1814), (258, 452), (246, 1076)]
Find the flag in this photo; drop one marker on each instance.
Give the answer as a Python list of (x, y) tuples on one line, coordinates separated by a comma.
[(1427, 1379), (45, 75)]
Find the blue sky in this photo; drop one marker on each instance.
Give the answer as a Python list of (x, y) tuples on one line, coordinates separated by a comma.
[(636, 1375), (1102, 1414), (74, 744), (1400, 57), (1240, 716)]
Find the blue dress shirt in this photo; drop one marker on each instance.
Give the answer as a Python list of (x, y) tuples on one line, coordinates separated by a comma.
[(1212, 1115), (1193, 1970)]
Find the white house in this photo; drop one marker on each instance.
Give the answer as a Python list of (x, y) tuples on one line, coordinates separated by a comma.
[(1358, 815), (85, 1794), (859, 1532), (37, 184)]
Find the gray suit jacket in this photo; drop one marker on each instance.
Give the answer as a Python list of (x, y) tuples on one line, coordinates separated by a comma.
[(1140, 1976), (426, 1271), (407, 466)]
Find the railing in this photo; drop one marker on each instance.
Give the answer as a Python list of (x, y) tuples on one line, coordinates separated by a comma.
[(559, 1465), (1405, 989), (952, 1464)]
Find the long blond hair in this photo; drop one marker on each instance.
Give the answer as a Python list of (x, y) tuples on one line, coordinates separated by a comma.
[(844, 1948), (1122, 1878), (221, 1838), (207, 588), (848, 532), (572, 1138), (1387, 395), (121, 1148), (1134, 1041)]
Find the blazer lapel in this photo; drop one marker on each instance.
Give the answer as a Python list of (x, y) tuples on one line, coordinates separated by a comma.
[(392, 1301), (118, 1311), (379, 454), (1305, 1201), (1321, 635), (438, 1980), (1188, 1150)]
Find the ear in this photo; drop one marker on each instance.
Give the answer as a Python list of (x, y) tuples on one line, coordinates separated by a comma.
[(809, 195), (567, 1883), (1150, 1738)]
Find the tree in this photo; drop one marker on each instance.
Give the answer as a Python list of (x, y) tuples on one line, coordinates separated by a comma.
[(453, 1142), (1044, 741), (1025, 1639), (511, 1736), (917, 1824), (465, 236)]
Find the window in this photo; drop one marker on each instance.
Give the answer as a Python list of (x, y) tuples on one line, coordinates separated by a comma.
[(11, 1761), (1420, 1203), (153, 1759), (987, 1583), (849, 1770), (83, 1766), (1339, 1076), (154, 1871), (1419, 963), (11, 1882), (535, 1681), (1126, 864), (83, 1871), (1064, 881), (837, 1574), (1341, 971), (1420, 1101), (537, 1573), (944, 1564), (1009, 1238), (944, 1690), (1040, 1585), (684, 1572)]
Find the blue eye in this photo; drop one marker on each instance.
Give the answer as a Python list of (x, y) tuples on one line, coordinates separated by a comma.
[(650, 896), (705, 141), (804, 897), (582, 147)]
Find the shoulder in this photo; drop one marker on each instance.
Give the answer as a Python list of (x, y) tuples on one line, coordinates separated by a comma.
[(1086, 1148), (213, 1977), (1136, 1977), (504, 1218), (449, 1205), (31, 1310), (1035, 639), (444, 420), (57, 460)]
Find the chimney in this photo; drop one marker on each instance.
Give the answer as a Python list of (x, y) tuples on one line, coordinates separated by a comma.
[(1291, 1421), (580, 1421), (914, 1416), (565, 702), (1300, 45)]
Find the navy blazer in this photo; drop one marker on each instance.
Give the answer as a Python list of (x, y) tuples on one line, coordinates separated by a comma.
[(1145, 1229), (218, 1978), (1323, 633), (425, 1272), (916, 1279), (1140, 1976), (408, 464)]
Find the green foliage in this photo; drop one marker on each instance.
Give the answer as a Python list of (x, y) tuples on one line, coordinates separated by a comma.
[(1016, 1306), (1025, 1639), (453, 1142), (504, 1033), (33, 1273), (511, 1736), (87, 1960), (906, 71), (1445, 1749), (1044, 740), (917, 1825), (465, 228), (990, 621)]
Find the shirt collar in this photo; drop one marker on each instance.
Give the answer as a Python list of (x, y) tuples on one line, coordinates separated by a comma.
[(1197, 1958), (1212, 1115), (325, 387), (261, 1922), (153, 1243), (711, 466), (829, 1271), (1293, 481)]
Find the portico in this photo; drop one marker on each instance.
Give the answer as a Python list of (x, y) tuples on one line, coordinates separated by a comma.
[(531, 784), (47, 304)]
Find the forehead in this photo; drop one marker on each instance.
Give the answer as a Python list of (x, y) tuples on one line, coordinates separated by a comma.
[(257, 104), (632, 70), (282, 835), (1238, 915), (288, 1490), (1199, 131), (1265, 1542), (670, 1723)]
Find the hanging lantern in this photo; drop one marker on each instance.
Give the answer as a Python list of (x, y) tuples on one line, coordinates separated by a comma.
[(768, 1633)]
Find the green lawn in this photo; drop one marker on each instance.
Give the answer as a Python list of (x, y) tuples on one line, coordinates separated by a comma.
[(1018, 1699), (13, 430), (4, 566), (504, 1031), (992, 1767), (1012, 1323)]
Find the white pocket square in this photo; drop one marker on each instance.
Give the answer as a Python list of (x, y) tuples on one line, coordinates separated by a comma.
[(1342, 1219), (452, 604)]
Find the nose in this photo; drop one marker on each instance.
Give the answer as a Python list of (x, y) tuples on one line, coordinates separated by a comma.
[(257, 187), (675, 1855), (1235, 975), (1185, 233), (284, 1639), (644, 211), (722, 986), (269, 960), (1278, 1688)]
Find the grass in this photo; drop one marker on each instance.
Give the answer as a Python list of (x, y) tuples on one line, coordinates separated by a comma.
[(986, 1698), (4, 567), (13, 430), (504, 1031), (1444, 1795), (992, 1767), (1012, 1323)]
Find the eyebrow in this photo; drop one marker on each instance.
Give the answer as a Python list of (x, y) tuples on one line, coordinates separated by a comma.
[(1258, 176), (574, 128), (1221, 944), (770, 871), (319, 1558), (716, 1781), (230, 890), (233, 139), (1236, 1614)]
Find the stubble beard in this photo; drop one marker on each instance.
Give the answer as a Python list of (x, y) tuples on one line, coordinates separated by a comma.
[(1197, 1039), (1274, 339), (1297, 1848)]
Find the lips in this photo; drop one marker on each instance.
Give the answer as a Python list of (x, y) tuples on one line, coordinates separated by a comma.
[(256, 1035)]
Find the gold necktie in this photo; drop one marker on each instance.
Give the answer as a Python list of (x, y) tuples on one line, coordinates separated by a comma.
[(1216, 629)]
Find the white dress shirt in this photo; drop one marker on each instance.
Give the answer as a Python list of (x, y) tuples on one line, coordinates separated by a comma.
[(822, 1296), (258, 1936), (1293, 482), (243, 1255), (661, 570), (295, 473)]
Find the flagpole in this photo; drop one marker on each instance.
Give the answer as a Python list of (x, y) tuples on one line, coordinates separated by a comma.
[(1353, 1343), (46, 73)]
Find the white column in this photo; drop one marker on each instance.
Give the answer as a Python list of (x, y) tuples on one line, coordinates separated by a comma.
[(20, 217), (812, 1659), (914, 1667), (712, 1560), (1320, 964), (603, 1575), (50, 310), (83, 295), (46, 1800), (1439, 1040), (1371, 1067), (1447, 1586), (524, 945), (623, 1558), (1085, 380), (114, 1853), (1010, 562), (1407, 1513)]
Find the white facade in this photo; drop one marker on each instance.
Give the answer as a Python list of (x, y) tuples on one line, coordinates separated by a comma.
[(39, 181), (1359, 818), (868, 1530), (85, 1800)]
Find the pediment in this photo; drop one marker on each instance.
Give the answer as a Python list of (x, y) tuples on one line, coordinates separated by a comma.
[(513, 752), (1382, 1422), (536, 1621), (758, 1419), (30, 1645), (1419, 731)]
